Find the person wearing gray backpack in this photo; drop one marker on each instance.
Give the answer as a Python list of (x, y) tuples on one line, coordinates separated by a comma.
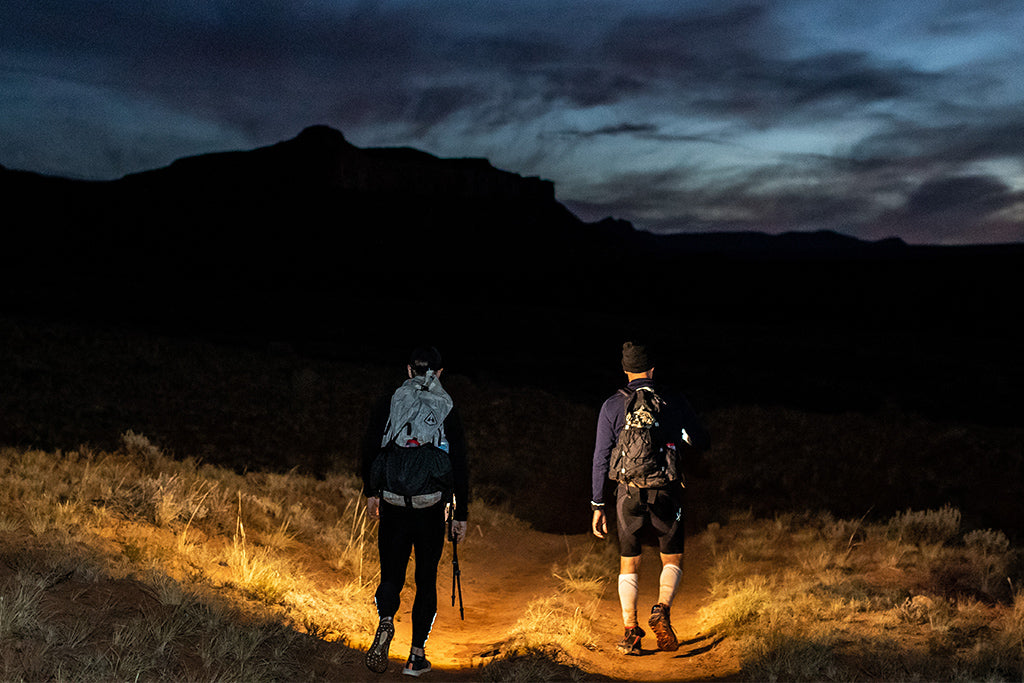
[(414, 473), (645, 435)]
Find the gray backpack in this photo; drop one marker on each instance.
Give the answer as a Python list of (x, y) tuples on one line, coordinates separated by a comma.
[(413, 459), (418, 410)]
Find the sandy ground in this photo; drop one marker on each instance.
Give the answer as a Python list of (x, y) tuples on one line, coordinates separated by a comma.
[(505, 571)]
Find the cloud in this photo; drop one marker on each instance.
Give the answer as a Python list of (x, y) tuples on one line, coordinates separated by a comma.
[(688, 202), (699, 115), (617, 129), (736, 63), (866, 202), (968, 195), (962, 208), (983, 133), (393, 63)]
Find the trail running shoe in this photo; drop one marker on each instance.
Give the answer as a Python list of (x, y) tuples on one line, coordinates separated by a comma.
[(630, 644), (416, 666), (377, 656), (662, 627)]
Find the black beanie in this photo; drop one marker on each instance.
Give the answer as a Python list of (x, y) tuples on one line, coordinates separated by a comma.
[(635, 358)]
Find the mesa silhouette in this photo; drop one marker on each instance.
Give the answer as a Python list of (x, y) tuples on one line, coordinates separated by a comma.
[(315, 210), (314, 226), (309, 208)]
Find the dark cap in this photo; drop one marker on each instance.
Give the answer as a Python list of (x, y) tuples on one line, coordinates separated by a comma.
[(425, 358), (635, 358)]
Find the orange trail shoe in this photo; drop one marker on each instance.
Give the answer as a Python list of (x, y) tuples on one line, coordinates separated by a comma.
[(662, 627)]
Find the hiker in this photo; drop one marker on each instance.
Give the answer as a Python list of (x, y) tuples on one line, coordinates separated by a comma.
[(418, 423), (644, 433)]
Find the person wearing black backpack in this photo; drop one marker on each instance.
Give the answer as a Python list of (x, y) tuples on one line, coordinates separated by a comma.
[(644, 435), (414, 464)]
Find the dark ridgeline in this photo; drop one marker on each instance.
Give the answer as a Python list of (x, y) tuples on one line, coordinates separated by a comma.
[(282, 238), (310, 214), (315, 239)]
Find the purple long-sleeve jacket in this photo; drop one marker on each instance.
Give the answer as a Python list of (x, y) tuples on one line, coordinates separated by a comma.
[(677, 412)]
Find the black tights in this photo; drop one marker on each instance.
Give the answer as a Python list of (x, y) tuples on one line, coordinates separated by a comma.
[(401, 530)]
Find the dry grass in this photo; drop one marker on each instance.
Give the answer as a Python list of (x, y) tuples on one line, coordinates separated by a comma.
[(816, 598), (589, 571), (193, 571), (218, 589)]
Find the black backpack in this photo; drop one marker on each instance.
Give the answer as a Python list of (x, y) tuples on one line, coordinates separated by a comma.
[(640, 457), (411, 470)]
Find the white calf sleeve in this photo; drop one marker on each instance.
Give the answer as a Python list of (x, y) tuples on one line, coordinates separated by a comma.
[(629, 588), (670, 575)]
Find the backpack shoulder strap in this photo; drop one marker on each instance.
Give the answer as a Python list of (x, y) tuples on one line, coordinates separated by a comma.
[(627, 398)]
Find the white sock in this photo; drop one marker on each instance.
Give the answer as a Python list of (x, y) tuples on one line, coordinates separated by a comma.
[(670, 575), (629, 588)]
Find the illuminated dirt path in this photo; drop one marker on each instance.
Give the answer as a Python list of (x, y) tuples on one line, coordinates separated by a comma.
[(503, 571)]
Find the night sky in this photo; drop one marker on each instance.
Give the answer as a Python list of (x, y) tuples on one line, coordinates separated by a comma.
[(871, 118)]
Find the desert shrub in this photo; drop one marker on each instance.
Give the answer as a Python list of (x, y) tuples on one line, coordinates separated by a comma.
[(740, 604), (925, 527), (552, 626), (169, 498), (139, 446), (987, 542), (588, 571), (19, 606), (989, 556)]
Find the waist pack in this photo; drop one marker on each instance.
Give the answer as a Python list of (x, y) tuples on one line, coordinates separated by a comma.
[(408, 471)]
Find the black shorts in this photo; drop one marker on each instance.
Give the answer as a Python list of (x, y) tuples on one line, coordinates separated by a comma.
[(648, 514)]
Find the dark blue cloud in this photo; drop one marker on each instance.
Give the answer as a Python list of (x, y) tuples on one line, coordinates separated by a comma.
[(977, 195)]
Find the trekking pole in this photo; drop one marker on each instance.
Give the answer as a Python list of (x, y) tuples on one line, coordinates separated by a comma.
[(456, 572)]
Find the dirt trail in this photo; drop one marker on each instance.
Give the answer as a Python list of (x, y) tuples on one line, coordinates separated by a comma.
[(503, 573)]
